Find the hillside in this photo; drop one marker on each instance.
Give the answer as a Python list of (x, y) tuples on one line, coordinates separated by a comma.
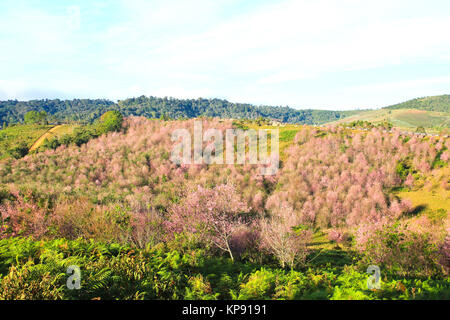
[(53, 133), (434, 103), (86, 110), (218, 231), (407, 119), (16, 140)]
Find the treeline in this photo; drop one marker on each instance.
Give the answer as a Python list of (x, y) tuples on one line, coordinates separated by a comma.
[(78, 110), (87, 110), (153, 107), (435, 103)]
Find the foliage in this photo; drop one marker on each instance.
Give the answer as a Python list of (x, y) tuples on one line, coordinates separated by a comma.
[(368, 125), (435, 103), (86, 110), (223, 231), (110, 121), (15, 141), (37, 270), (211, 213), (19, 151), (343, 179), (35, 117), (81, 110), (402, 251)]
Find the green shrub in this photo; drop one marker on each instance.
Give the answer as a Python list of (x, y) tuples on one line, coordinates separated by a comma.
[(403, 252)]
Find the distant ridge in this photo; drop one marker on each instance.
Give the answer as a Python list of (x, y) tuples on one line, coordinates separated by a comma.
[(87, 110), (433, 103), (432, 113)]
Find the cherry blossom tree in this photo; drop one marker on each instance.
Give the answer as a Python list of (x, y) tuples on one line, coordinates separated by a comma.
[(213, 213)]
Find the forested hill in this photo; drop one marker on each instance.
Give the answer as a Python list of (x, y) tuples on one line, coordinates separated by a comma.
[(81, 110), (190, 108), (86, 110), (434, 103)]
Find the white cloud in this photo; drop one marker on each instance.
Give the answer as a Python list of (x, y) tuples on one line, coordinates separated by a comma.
[(293, 40), (196, 48)]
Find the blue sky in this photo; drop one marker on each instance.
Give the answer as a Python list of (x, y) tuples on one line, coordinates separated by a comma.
[(323, 54)]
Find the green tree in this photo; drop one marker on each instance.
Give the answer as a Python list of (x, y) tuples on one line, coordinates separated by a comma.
[(35, 117), (110, 121), (421, 129), (19, 151)]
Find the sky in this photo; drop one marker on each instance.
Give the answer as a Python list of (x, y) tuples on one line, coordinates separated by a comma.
[(322, 54)]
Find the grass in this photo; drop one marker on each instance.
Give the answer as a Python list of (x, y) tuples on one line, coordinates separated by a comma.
[(287, 134), (13, 136), (422, 118), (430, 199), (406, 119), (429, 193), (52, 133)]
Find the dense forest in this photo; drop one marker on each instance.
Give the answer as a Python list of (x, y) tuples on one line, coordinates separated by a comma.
[(80, 110), (178, 108), (435, 103), (86, 110)]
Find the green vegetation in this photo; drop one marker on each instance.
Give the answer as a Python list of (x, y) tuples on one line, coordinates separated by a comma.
[(434, 103), (37, 270), (140, 227), (178, 109), (16, 140), (54, 132), (405, 119), (79, 110), (87, 111), (368, 125), (110, 121), (35, 117)]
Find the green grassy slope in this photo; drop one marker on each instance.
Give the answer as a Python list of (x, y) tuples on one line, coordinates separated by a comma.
[(54, 132), (434, 103), (14, 136), (404, 118)]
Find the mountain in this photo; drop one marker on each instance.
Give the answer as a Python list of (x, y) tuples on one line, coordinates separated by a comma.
[(434, 103), (87, 110)]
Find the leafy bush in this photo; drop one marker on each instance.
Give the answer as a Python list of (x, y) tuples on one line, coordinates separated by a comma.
[(110, 121), (19, 151), (403, 252)]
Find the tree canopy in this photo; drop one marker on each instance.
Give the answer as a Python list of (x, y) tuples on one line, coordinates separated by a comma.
[(87, 111), (35, 117)]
